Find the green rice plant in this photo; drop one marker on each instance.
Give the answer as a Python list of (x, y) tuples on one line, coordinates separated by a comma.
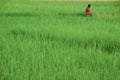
[(56, 41)]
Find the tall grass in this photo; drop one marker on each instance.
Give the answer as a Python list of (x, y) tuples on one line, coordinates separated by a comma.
[(55, 41)]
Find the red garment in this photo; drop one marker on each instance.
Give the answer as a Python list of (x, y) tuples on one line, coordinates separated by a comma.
[(88, 12)]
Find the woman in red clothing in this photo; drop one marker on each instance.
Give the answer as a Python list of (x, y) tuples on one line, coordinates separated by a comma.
[(88, 11)]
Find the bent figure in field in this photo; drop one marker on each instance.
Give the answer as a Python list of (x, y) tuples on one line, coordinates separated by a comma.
[(88, 10)]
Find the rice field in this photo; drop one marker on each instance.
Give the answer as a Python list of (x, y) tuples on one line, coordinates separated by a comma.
[(56, 41)]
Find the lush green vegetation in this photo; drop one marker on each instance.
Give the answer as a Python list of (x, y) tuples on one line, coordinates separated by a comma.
[(55, 41)]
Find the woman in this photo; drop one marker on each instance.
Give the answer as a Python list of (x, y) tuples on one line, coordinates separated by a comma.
[(88, 11)]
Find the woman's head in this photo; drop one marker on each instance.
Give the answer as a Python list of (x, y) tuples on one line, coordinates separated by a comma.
[(89, 5)]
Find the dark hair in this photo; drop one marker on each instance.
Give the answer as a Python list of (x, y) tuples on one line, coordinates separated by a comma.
[(89, 5)]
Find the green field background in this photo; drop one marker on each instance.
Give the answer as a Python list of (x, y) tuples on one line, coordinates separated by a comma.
[(56, 41), (63, 0)]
